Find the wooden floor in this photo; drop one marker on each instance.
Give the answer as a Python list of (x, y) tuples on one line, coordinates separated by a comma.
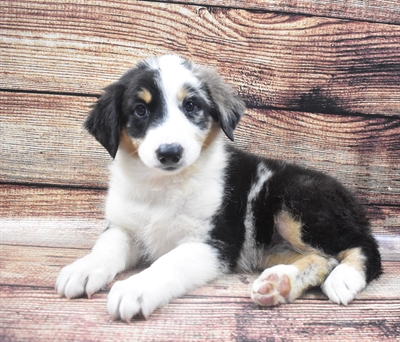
[(321, 80)]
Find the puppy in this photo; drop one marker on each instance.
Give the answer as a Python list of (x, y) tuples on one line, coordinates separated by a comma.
[(184, 199)]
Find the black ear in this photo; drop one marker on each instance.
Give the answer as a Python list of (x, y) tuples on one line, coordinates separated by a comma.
[(228, 107), (105, 120)]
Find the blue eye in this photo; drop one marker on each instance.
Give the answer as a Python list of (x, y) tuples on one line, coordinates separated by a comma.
[(141, 110)]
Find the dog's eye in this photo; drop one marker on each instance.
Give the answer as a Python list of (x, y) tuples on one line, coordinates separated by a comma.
[(140, 110), (189, 106)]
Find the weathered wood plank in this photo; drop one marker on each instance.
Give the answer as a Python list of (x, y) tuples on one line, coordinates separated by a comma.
[(40, 266), (82, 234), (356, 150), (52, 232), (53, 217), (42, 141), (297, 62), (19, 202), (37, 314), (376, 10)]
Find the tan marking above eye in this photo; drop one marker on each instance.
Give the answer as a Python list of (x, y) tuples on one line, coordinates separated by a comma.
[(145, 95), (181, 94)]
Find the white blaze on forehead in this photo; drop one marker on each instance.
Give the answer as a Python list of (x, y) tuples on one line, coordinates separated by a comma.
[(174, 76)]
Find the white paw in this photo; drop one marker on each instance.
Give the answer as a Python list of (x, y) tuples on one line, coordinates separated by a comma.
[(274, 286), (344, 284), (138, 294), (84, 276)]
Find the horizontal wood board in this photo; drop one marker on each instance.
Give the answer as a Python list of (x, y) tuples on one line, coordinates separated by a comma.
[(36, 314), (31, 309), (371, 10), (42, 140), (275, 60), (40, 266), (56, 217)]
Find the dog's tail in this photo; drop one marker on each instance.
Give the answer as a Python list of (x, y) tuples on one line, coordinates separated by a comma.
[(373, 265)]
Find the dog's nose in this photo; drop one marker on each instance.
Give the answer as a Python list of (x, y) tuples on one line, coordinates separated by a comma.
[(169, 154)]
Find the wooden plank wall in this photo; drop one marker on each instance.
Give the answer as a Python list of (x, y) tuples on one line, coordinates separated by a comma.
[(321, 80)]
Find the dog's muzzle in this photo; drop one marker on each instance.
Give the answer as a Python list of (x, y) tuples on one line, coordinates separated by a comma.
[(169, 156)]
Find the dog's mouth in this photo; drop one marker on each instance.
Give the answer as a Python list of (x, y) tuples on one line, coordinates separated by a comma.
[(170, 168)]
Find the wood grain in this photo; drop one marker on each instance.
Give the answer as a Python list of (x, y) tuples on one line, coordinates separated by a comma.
[(322, 92), (18, 202), (376, 10), (74, 218), (28, 298), (39, 266), (359, 151), (281, 61), (42, 141), (37, 314)]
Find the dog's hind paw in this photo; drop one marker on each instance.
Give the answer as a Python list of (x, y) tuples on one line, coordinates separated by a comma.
[(344, 284), (274, 285)]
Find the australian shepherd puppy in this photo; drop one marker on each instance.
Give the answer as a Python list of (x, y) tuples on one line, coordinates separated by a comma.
[(184, 199)]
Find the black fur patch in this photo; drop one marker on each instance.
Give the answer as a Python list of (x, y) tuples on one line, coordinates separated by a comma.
[(105, 121), (228, 235), (116, 108), (143, 78), (332, 220)]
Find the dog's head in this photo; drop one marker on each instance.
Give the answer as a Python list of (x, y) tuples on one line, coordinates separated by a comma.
[(163, 111)]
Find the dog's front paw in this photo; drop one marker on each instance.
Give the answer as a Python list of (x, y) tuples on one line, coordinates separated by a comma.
[(274, 286), (85, 276), (136, 295)]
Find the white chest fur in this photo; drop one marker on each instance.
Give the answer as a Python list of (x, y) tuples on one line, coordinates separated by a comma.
[(161, 211)]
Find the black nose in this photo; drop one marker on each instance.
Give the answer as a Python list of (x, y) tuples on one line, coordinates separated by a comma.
[(169, 154)]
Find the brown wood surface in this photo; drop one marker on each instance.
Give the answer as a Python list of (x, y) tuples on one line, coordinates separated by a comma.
[(322, 92), (41, 315), (31, 309), (363, 152), (51, 202), (40, 266), (28, 215), (42, 140), (371, 10), (275, 60)]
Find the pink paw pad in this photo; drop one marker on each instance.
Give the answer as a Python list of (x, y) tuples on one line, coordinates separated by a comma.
[(273, 290)]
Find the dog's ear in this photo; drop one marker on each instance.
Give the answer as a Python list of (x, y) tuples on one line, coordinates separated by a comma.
[(104, 121), (228, 107)]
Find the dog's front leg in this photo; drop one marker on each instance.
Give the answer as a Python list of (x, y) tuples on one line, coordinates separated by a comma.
[(187, 266), (112, 253)]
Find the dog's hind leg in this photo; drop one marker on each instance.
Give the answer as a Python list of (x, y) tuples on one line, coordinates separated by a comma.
[(291, 274)]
